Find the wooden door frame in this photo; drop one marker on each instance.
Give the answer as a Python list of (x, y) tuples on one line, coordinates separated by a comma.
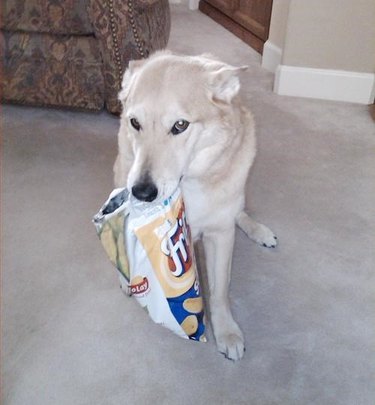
[(241, 32)]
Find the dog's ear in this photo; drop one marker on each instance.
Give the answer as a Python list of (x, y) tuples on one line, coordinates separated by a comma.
[(127, 80), (224, 82)]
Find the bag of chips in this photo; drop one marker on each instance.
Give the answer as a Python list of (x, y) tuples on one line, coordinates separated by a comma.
[(150, 244)]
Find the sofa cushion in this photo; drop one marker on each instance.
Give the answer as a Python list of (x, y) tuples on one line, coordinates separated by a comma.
[(42, 69), (55, 17)]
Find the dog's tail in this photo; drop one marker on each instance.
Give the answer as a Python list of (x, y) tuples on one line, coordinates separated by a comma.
[(257, 232)]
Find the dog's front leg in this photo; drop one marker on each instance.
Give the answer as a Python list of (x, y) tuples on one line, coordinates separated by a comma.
[(218, 250)]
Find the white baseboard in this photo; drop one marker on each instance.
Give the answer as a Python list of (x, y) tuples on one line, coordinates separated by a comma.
[(193, 4), (271, 58), (338, 85)]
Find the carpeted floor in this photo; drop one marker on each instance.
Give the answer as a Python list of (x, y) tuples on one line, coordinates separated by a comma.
[(306, 308)]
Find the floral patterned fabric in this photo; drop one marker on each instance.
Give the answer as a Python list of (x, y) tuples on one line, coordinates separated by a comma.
[(82, 68), (41, 69), (53, 17)]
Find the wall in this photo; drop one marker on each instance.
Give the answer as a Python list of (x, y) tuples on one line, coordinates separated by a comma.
[(273, 48), (334, 34), (279, 18), (323, 49)]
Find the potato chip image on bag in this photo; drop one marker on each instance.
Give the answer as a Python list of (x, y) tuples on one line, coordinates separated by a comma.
[(150, 244), (109, 223)]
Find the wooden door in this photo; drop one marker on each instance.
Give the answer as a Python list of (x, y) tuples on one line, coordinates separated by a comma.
[(247, 19)]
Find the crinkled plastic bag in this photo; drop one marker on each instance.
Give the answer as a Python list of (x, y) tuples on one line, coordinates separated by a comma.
[(150, 245)]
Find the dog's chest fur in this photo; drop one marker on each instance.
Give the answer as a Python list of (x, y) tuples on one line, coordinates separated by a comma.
[(208, 208)]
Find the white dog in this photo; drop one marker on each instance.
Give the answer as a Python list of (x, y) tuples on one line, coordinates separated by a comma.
[(183, 125)]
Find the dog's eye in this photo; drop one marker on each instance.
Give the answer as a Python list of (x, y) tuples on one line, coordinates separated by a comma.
[(135, 124), (179, 126)]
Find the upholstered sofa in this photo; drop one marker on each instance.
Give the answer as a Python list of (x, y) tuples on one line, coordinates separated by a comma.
[(72, 53)]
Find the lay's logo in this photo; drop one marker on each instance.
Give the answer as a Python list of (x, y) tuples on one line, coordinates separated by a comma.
[(139, 286)]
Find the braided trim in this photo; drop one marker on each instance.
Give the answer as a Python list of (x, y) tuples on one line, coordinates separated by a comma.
[(141, 50), (134, 28), (115, 42)]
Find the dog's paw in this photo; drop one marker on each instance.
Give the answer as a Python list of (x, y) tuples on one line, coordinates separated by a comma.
[(229, 338), (264, 236), (257, 232), (231, 345)]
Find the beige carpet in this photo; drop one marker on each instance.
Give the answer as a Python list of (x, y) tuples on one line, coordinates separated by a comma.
[(306, 308)]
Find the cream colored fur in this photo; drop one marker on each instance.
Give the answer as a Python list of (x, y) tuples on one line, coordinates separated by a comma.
[(210, 160)]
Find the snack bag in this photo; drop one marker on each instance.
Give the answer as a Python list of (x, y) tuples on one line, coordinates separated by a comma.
[(151, 246), (109, 223)]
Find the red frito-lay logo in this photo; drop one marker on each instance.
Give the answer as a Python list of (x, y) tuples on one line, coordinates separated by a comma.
[(140, 287)]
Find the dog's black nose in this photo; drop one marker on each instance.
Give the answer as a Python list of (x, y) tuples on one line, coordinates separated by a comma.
[(145, 191)]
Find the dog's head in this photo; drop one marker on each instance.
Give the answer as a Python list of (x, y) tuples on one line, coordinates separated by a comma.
[(174, 108)]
